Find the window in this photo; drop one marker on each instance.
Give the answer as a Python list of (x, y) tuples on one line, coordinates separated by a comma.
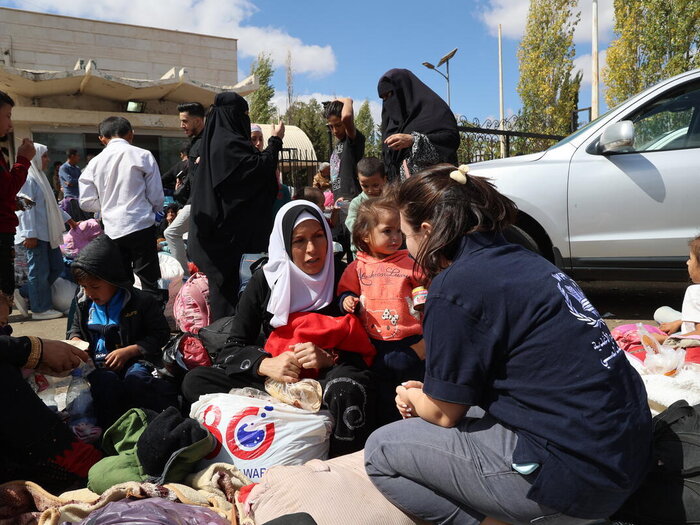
[(670, 122)]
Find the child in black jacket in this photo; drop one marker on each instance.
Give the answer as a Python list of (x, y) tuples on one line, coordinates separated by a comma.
[(126, 330)]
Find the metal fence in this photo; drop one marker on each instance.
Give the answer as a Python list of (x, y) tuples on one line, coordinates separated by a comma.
[(493, 139), (297, 167)]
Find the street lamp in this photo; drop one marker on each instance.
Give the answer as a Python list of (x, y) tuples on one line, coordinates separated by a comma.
[(444, 60)]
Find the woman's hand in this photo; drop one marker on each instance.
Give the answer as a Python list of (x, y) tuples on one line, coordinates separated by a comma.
[(350, 303), (672, 327), (30, 243), (72, 223), (399, 141), (311, 356), (116, 359), (278, 130), (59, 357), (284, 367), (403, 402)]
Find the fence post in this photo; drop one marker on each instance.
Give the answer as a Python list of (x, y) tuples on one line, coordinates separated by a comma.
[(507, 145)]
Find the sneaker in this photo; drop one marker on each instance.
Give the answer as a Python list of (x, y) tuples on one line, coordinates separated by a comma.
[(48, 314), (21, 304)]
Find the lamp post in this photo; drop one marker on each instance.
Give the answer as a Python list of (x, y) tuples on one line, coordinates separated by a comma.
[(444, 60)]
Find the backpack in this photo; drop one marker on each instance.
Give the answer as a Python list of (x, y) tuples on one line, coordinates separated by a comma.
[(191, 307), (670, 493)]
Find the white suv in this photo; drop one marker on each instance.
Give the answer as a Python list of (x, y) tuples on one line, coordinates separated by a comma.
[(619, 198)]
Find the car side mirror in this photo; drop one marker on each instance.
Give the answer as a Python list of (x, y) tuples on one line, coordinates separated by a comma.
[(617, 138)]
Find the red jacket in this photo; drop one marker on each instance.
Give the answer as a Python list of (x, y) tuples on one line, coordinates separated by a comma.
[(339, 333), (11, 180)]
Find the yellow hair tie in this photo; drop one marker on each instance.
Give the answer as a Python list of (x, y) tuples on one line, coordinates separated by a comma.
[(460, 174)]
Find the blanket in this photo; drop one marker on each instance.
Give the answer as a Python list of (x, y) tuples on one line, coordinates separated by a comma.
[(26, 503)]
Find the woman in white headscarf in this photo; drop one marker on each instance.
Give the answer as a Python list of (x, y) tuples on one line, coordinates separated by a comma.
[(300, 277), (40, 231)]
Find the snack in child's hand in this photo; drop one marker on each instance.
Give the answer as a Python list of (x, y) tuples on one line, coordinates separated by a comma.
[(306, 394), (82, 345)]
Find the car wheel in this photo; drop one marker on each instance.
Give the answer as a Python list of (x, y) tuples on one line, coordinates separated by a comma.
[(519, 236)]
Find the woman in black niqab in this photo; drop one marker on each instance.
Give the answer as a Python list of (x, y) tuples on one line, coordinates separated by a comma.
[(417, 125), (232, 199)]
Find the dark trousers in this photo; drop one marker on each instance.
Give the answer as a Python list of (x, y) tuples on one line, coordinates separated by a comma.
[(347, 393), (140, 256), (394, 363), (31, 433), (114, 393), (223, 290), (7, 267)]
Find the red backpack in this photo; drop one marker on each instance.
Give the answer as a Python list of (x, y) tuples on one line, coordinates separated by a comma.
[(191, 307)]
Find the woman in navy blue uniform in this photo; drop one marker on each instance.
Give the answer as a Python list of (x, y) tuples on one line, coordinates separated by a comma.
[(528, 412)]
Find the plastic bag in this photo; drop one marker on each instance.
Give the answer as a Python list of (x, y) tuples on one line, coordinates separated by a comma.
[(62, 294), (70, 397), (256, 433), (660, 359), (171, 279), (152, 511), (184, 352), (306, 394)]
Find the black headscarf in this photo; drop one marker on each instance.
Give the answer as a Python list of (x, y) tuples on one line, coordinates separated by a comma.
[(234, 190), (413, 106)]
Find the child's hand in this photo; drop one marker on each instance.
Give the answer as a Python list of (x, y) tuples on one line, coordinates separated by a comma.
[(284, 367), (311, 356), (672, 327), (350, 303), (116, 359)]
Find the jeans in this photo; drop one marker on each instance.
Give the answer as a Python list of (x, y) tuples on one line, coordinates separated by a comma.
[(45, 265), (135, 387), (455, 475), (174, 233)]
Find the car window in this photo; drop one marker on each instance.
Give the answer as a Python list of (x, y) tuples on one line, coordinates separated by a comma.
[(669, 122)]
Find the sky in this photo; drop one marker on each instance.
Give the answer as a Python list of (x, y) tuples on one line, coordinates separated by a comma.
[(343, 48)]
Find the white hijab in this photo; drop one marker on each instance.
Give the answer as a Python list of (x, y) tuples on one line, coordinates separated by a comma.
[(56, 224), (292, 290)]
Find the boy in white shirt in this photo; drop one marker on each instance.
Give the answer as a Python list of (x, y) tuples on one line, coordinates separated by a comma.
[(123, 184)]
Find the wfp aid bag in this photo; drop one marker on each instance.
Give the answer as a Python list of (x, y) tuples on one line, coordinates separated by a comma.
[(256, 432)]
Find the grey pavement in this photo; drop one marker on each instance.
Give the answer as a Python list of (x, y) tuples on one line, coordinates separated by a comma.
[(52, 329)]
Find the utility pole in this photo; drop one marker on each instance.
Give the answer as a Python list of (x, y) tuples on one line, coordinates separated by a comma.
[(594, 62), (500, 92)]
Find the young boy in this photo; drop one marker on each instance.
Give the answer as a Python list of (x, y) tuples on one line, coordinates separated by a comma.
[(347, 151), (123, 183), (371, 174), (126, 330), (349, 148)]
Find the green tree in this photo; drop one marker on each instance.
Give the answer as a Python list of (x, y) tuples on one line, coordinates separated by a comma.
[(309, 117), (655, 40), (547, 88), (261, 109), (365, 123)]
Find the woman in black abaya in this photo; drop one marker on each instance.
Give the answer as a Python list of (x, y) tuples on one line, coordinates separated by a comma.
[(418, 127), (232, 199)]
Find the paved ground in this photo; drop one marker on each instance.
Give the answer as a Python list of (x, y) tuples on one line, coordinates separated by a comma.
[(617, 302)]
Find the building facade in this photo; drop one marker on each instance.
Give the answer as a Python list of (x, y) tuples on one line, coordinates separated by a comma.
[(67, 74)]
